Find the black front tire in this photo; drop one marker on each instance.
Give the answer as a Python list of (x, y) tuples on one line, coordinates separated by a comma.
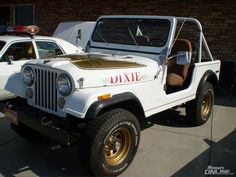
[(200, 109), (111, 142)]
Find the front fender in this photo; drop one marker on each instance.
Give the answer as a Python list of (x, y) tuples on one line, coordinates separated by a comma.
[(84, 102), (97, 106), (78, 102)]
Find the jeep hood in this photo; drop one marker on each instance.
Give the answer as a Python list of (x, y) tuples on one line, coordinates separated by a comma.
[(95, 70), (101, 62)]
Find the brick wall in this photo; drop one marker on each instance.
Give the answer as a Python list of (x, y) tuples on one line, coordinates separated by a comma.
[(218, 18)]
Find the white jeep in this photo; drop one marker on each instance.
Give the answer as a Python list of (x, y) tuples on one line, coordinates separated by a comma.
[(134, 67)]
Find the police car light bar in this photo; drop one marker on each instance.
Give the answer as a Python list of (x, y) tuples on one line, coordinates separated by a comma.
[(31, 30)]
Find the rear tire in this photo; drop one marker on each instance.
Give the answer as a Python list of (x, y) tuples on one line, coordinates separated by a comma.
[(200, 109), (111, 142)]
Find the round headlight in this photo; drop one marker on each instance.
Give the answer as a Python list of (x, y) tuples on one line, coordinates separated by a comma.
[(64, 85), (28, 76)]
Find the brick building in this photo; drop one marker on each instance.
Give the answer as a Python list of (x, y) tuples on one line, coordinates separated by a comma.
[(217, 17)]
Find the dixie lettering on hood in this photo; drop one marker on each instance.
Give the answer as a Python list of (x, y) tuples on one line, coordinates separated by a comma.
[(125, 78)]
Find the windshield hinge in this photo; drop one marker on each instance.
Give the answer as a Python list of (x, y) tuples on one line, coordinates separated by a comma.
[(165, 87)]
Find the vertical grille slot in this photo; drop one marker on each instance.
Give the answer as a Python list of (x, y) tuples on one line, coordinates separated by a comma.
[(36, 87), (55, 92), (41, 87), (48, 90), (45, 89)]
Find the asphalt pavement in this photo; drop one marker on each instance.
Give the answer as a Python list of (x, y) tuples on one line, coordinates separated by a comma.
[(169, 146)]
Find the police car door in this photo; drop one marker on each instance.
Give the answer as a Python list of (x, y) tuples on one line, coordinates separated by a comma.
[(12, 58)]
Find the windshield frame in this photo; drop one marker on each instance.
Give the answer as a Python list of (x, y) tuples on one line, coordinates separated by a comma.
[(125, 48), (128, 22)]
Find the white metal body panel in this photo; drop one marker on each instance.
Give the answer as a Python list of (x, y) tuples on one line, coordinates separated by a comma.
[(9, 74), (69, 31), (151, 93)]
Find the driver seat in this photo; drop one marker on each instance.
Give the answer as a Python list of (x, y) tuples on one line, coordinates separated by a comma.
[(177, 74)]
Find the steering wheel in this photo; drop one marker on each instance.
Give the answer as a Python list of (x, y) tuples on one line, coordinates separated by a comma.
[(158, 42)]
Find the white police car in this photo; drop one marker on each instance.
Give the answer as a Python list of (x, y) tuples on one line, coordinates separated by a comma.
[(19, 44)]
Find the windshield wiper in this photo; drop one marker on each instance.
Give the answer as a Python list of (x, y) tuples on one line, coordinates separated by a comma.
[(132, 36), (100, 35)]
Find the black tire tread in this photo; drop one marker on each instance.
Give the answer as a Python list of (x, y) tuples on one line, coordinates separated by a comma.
[(96, 129), (193, 108)]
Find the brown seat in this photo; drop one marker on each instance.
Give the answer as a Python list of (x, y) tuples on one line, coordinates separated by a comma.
[(176, 74)]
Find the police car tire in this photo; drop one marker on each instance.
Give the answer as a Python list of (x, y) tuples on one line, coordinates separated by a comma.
[(120, 123), (200, 109)]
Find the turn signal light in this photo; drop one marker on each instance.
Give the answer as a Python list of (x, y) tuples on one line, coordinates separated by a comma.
[(104, 97)]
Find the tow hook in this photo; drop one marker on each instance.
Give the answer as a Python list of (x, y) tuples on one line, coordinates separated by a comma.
[(56, 147), (46, 122)]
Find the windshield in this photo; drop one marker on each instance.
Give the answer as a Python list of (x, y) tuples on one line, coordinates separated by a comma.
[(141, 32), (2, 43)]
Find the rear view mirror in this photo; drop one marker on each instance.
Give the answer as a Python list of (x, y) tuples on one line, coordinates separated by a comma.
[(183, 57)]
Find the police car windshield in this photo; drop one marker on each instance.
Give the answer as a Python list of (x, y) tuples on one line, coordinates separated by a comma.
[(2, 44), (141, 32)]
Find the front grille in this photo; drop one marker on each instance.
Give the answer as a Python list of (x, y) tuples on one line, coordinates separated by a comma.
[(45, 89)]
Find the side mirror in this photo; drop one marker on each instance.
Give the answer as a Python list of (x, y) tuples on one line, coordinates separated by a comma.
[(78, 38), (79, 35), (183, 57), (9, 59)]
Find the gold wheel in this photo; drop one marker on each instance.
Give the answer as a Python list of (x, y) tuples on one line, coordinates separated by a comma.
[(117, 146), (207, 104)]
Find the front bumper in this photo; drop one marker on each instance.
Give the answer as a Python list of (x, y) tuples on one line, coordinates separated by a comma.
[(63, 130)]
